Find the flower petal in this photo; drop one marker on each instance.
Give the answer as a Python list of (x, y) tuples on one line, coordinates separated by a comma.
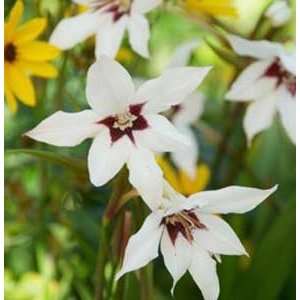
[(259, 116), (10, 98), (146, 176), (232, 199), (186, 159), (71, 31), (286, 106), (37, 51), (41, 69), (250, 84), (66, 129), (30, 30), (139, 34), (171, 88), (105, 159), (20, 84), (279, 13), (109, 38), (143, 246), (144, 6), (204, 272), (182, 54), (190, 109), (177, 258), (218, 237), (161, 136), (14, 18), (109, 87), (258, 49)]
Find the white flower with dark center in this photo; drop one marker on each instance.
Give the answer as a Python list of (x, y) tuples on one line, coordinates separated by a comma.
[(126, 125), (108, 20), (269, 83), (186, 113), (190, 235), (279, 12)]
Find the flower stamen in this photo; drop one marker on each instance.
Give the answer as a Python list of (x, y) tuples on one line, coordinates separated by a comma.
[(10, 53)]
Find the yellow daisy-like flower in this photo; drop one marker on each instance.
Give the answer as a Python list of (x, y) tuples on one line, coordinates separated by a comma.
[(181, 181), (25, 56), (216, 8)]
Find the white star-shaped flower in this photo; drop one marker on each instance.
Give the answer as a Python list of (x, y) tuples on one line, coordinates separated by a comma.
[(108, 20), (126, 125), (269, 83), (190, 235)]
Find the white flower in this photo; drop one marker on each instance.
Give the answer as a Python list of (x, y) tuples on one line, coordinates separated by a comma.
[(108, 20), (269, 83), (190, 234), (186, 113), (279, 13), (125, 124)]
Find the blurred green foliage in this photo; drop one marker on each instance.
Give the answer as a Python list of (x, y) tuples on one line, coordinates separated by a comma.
[(53, 214)]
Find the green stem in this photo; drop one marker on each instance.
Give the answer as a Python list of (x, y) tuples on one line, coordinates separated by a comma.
[(147, 292)]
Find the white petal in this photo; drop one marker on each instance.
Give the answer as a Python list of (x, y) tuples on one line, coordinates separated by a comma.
[(186, 159), (106, 159), (177, 258), (144, 6), (232, 199), (279, 13), (83, 2), (171, 88), (66, 129), (286, 106), (109, 87), (76, 29), (218, 237), (161, 136), (289, 61), (139, 34), (143, 246), (146, 176), (190, 109), (204, 272), (251, 84), (259, 116), (109, 37), (259, 49), (182, 54)]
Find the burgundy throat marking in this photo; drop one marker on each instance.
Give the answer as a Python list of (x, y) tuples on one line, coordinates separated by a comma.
[(283, 76), (125, 123)]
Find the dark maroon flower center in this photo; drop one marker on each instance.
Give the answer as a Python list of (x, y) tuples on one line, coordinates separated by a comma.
[(10, 52), (283, 76), (184, 222), (125, 123)]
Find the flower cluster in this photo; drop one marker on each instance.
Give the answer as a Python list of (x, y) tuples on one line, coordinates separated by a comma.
[(134, 126)]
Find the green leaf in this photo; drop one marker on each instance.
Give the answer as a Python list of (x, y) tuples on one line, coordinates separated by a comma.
[(274, 261), (74, 164)]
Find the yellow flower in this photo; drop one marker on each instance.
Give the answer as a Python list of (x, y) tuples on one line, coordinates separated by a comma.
[(181, 181), (216, 8), (25, 56)]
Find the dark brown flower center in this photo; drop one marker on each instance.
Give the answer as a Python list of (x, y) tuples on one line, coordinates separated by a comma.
[(125, 123), (283, 76), (184, 222), (10, 52)]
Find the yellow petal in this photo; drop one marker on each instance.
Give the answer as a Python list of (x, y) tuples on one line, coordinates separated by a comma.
[(10, 98), (20, 84), (169, 172), (29, 31), (42, 69), (197, 184), (13, 19), (37, 51), (212, 7)]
